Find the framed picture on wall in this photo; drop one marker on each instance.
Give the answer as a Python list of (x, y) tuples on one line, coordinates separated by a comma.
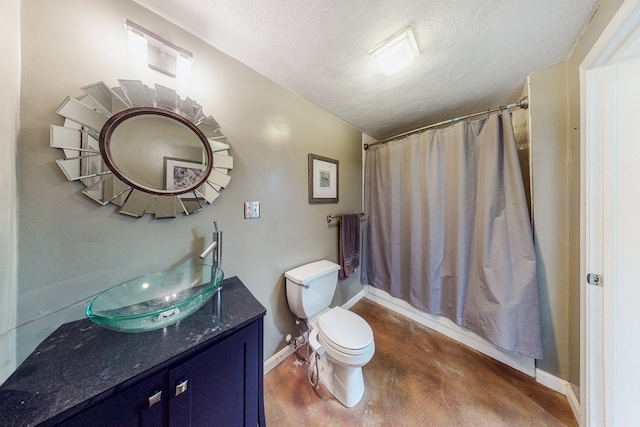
[(323, 179), (179, 173)]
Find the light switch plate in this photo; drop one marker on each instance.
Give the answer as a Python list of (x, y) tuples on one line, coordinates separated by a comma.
[(251, 210)]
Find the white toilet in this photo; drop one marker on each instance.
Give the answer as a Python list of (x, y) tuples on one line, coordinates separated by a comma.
[(342, 340)]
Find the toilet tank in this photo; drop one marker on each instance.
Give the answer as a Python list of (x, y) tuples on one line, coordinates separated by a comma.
[(310, 287)]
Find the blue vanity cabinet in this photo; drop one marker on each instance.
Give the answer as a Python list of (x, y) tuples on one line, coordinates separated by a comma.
[(208, 368), (129, 407), (219, 387)]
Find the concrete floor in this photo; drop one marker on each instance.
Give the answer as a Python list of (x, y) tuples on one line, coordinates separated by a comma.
[(417, 377)]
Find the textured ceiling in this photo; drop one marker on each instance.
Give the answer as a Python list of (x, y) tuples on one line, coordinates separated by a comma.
[(476, 54)]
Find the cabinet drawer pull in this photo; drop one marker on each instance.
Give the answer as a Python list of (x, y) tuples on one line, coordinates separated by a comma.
[(181, 388), (155, 399)]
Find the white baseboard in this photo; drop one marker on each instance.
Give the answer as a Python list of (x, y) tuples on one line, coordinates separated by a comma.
[(357, 297), (447, 327), (574, 403), (561, 386), (278, 358), (287, 351), (551, 381)]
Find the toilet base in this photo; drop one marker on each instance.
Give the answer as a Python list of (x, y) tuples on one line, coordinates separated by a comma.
[(345, 383)]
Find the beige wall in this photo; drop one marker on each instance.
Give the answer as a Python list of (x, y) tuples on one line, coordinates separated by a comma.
[(9, 127), (71, 248), (548, 110), (555, 133)]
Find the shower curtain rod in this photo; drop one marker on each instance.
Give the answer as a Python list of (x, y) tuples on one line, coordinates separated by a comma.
[(524, 103)]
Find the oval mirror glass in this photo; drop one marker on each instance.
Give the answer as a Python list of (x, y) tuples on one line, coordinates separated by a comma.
[(156, 151)]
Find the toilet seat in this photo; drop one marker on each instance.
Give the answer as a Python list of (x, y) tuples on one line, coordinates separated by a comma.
[(346, 337)]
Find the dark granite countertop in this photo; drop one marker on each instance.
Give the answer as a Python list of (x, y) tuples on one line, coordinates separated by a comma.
[(82, 363)]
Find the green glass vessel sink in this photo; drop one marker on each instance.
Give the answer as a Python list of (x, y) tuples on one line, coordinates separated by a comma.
[(155, 300)]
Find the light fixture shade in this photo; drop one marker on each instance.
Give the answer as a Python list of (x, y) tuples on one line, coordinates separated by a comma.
[(397, 51), (183, 65), (137, 43), (161, 55)]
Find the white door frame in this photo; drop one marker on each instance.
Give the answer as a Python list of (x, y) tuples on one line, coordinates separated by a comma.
[(619, 42)]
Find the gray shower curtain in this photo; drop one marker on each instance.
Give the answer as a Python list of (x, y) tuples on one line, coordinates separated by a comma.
[(448, 230)]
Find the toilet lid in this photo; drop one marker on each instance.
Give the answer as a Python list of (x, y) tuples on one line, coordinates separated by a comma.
[(345, 329)]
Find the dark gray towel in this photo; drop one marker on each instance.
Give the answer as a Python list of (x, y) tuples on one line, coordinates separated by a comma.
[(349, 244)]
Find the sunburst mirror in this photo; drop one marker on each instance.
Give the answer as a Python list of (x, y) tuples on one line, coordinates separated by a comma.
[(145, 150)]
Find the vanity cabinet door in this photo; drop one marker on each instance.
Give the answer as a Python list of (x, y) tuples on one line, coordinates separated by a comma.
[(130, 407), (218, 387)]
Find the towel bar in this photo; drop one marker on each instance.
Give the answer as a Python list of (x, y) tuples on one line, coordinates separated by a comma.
[(330, 217)]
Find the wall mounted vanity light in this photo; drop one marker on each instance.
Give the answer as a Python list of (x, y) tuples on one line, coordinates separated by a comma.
[(397, 51), (161, 55)]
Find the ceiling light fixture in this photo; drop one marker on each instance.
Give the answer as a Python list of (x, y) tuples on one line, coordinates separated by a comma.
[(160, 54), (397, 51)]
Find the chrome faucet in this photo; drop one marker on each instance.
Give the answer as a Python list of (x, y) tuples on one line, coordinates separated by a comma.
[(216, 248), (215, 245)]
